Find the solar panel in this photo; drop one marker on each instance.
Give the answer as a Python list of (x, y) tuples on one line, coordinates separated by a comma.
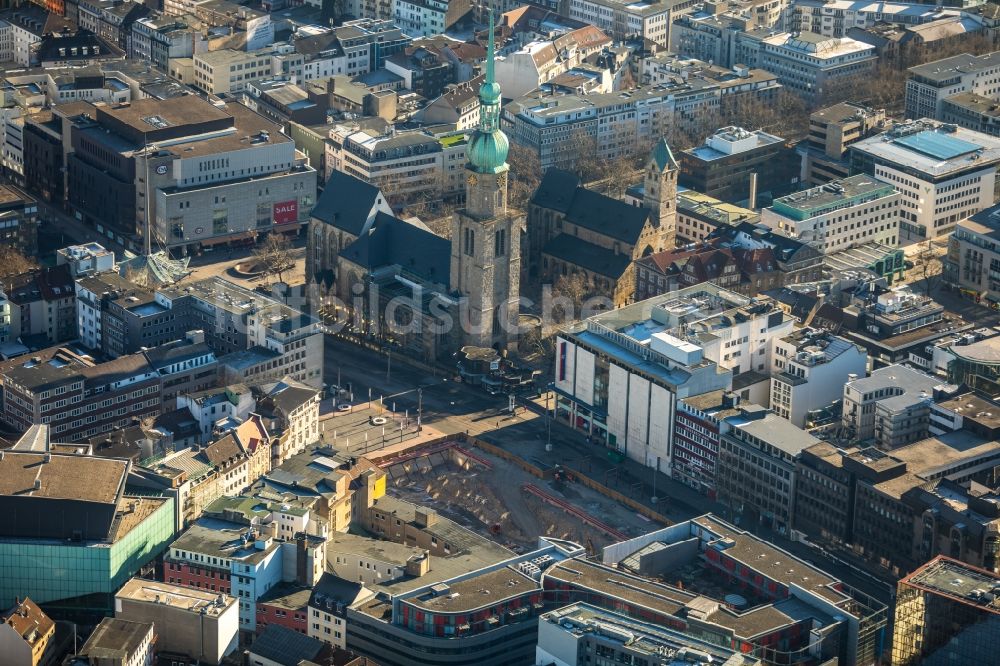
[(937, 145)]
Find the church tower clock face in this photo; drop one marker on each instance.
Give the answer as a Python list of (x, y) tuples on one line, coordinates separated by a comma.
[(472, 179)]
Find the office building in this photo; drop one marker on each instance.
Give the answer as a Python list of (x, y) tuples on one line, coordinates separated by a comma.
[(480, 614), (946, 611), (836, 18), (185, 366), (809, 368), (899, 508), (71, 533), (973, 259), (78, 398), (943, 172), (977, 366), (722, 167), (216, 175), (890, 407), (157, 39), (200, 625), (292, 409), (698, 215), (812, 66), (929, 85), (88, 259), (831, 131), (839, 215), (619, 374), (972, 111), (569, 636), (891, 323), (27, 635), (755, 476), (256, 338), (637, 578)]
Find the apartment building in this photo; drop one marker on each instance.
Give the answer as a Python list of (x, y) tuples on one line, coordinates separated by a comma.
[(18, 220), (367, 42), (835, 18), (699, 424), (809, 368), (943, 172), (755, 476), (623, 122), (239, 548), (839, 215), (406, 165), (810, 65), (521, 70), (973, 259), (624, 20), (930, 85), (157, 39), (831, 131), (722, 167)]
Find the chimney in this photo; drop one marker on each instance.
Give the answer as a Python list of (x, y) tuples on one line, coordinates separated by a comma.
[(752, 202)]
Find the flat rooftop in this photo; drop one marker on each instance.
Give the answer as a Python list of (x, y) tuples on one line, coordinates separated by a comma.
[(960, 582), (220, 538), (482, 590), (973, 407), (832, 196), (146, 115), (176, 596), (115, 638), (931, 148)]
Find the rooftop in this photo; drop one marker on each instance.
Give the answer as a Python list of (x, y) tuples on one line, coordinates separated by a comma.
[(484, 589), (176, 596), (776, 431), (832, 196), (116, 639), (932, 148), (220, 538), (984, 351), (946, 69), (59, 476), (955, 580)]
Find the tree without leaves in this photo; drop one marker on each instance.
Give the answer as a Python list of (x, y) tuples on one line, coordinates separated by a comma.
[(927, 264), (13, 262), (274, 255), (525, 176)]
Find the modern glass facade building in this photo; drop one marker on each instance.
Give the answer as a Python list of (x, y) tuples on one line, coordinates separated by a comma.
[(947, 612), (69, 535), (977, 366), (51, 571)]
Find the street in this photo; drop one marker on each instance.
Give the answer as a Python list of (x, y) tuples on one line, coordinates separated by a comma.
[(452, 407)]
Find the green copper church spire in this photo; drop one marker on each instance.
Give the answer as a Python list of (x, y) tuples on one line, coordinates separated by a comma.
[(488, 148)]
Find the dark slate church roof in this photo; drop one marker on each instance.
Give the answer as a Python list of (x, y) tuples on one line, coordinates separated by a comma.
[(392, 241), (561, 191), (346, 202), (593, 258)]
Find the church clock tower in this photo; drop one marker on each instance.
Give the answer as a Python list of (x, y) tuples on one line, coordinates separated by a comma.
[(486, 240)]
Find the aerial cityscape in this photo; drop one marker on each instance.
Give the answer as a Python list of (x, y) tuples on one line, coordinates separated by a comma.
[(499, 333)]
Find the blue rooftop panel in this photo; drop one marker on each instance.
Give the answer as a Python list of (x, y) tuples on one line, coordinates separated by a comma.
[(937, 145)]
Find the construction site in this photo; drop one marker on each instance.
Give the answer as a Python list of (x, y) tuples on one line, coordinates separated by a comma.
[(504, 502)]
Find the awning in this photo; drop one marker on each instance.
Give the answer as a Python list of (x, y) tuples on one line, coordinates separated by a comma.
[(218, 240)]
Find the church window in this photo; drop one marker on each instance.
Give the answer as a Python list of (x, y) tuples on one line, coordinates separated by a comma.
[(500, 243), (469, 241)]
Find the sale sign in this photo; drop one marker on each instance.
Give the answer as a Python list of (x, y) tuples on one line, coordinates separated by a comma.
[(286, 211)]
